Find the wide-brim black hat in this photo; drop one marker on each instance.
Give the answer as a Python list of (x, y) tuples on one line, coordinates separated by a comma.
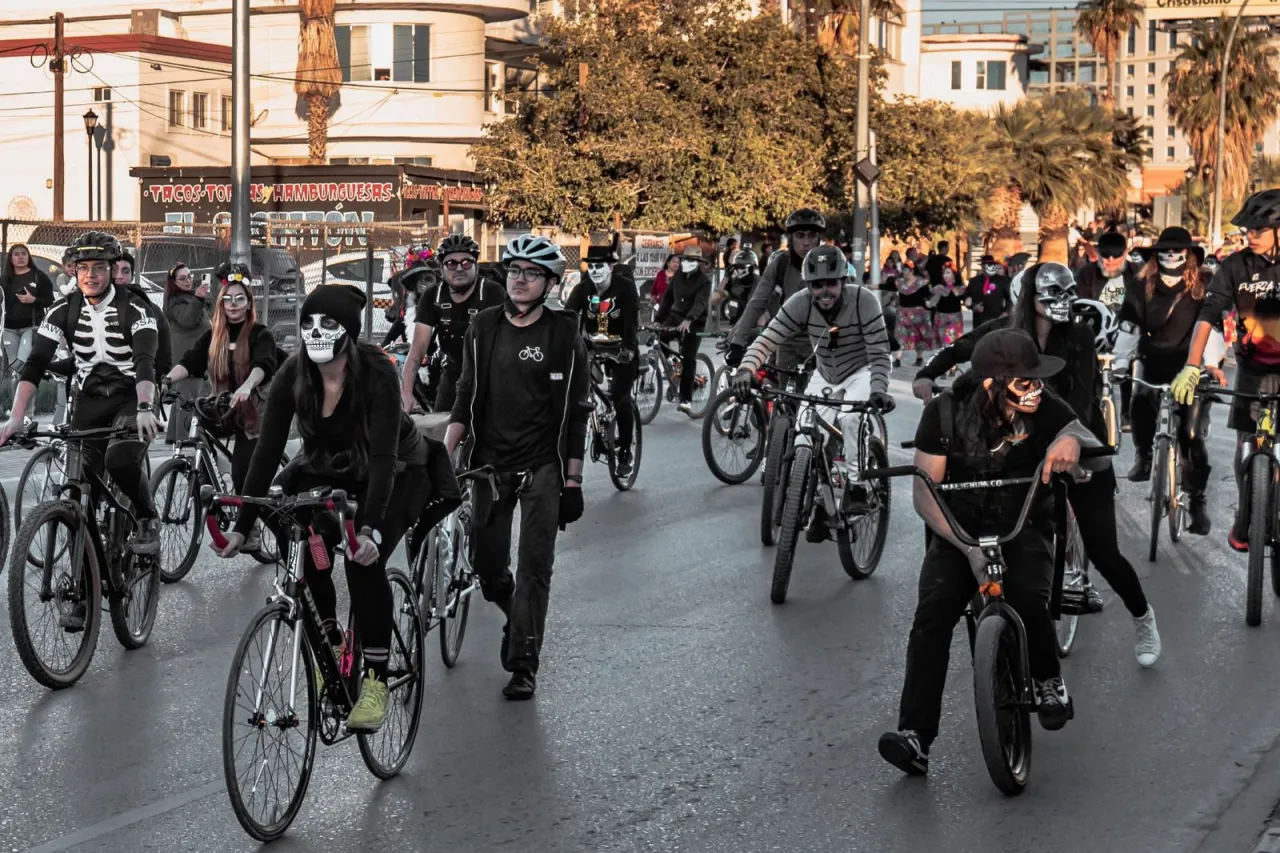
[(1012, 353), (1171, 240)]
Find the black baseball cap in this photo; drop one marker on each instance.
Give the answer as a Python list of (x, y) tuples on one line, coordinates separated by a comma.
[(1012, 353), (1112, 245)]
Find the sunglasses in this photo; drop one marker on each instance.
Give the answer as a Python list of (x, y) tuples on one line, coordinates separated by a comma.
[(235, 300), (459, 265), (1112, 256), (820, 283)]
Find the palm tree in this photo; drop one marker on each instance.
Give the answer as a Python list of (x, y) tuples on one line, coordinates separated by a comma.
[(1104, 23), (319, 73), (1253, 97), (834, 23), (1012, 129)]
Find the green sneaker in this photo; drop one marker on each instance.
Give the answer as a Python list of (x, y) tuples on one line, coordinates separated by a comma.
[(371, 708)]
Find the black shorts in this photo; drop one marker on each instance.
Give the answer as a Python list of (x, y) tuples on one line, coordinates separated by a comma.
[(1248, 380)]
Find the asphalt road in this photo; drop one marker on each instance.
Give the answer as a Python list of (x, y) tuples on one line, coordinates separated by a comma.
[(679, 710)]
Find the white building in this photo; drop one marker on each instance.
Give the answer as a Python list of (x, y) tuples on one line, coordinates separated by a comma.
[(419, 85), (974, 71)]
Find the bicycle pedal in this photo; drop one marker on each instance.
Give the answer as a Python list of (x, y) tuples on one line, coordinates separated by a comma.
[(1073, 603)]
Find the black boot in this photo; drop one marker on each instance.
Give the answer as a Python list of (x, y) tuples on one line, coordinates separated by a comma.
[(1195, 483), (1141, 470)]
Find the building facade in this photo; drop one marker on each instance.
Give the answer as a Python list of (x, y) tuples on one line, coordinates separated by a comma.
[(974, 71)]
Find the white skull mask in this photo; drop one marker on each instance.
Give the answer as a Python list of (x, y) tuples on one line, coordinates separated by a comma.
[(600, 274), (992, 269), (1173, 260), (689, 267), (323, 337)]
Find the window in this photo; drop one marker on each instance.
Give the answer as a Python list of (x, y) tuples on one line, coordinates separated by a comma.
[(392, 52), (348, 161), (1064, 49), (1258, 147), (1151, 132), (957, 74), (1151, 69), (1067, 24), (101, 93), (1128, 92), (1149, 153), (355, 272), (199, 110), (1173, 39), (1088, 72), (1040, 27), (1133, 44), (1086, 47), (1151, 37), (177, 107), (982, 75), (1171, 133), (1169, 153), (1151, 112), (1129, 110), (413, 161), (493, 79), (1128, 71), (227, 112), (1066, 73), (1151, 90), (995, 75)]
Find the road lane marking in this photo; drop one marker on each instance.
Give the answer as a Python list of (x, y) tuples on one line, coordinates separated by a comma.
[(129, 818)]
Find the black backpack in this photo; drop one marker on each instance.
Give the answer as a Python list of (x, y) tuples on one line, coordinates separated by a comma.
[(164, 348)]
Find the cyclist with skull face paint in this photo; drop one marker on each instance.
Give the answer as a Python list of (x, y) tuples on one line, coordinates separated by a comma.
[(343, 393), (609, 304), (445, 311), (1043, 298), (988, 293), (1158, 319)]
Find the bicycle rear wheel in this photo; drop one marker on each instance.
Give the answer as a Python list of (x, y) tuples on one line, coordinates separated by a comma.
[(41, 477), (648, 391), (1004, 723), (793, 506), (1159, 493), (1073, 581), (623, 484), (454, 591), (861, 540), (1260, 509), (270, 723), (43, 595), (1172, 494), (779, 436), (177, 500), (386, 750), (702, 386), (733, 438)]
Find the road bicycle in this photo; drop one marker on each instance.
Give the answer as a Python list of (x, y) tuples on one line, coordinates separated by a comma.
[(1004, 694), (661, 363), (1107, 398), (816, 478), (1167, 498), (70, 553), (287, 688), (202, 458), (1260, 486), (605, 353)]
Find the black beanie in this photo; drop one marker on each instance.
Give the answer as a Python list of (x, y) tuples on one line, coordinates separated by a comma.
[(342, 303), (1113, 242)]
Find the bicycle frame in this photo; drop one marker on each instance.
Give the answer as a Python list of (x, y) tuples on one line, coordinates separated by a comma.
[(810, 429)]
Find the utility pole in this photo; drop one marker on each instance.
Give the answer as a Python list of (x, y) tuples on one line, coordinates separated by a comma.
[(57, 64), (240, 132), (862, 198), (875, 223)]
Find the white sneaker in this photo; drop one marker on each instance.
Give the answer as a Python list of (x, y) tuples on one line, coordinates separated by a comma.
[(1148, 646)]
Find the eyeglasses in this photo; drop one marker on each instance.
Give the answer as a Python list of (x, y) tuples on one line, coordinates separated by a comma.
[(96, 269), (182, 278), (530, 274), (597, 265), (464, 264), (235, 300)]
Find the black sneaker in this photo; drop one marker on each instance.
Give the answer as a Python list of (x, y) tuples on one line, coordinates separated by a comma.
[(521, 685), (72, 620), (505, 649), (817, 530), (623, 465), (147, 539), (1201, 524), (1141, 470), (1054, 708), (904, 751), (856, 501), (1093, 602)]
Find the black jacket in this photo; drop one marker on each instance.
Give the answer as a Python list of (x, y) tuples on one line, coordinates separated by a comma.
[(686, 299), (624, 315), (1090, 281), (568, 354), (1250, 284)]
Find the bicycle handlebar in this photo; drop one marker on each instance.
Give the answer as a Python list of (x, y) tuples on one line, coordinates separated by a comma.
[(334, 501), (833, 402)]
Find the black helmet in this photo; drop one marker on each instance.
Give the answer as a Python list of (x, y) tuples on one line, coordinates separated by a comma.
[(1260, 210), (234, 272), (458, 243), (825, 263), (96, 246), (745, 258), (806, 219)]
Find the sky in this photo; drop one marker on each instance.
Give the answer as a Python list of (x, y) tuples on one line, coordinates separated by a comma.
[(985, 10)]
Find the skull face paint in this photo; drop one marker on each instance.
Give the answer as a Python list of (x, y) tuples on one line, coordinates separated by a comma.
[(1173, 260), (1055, 291), (1024, 394), (323, 337), (600, 274), (992, 269)]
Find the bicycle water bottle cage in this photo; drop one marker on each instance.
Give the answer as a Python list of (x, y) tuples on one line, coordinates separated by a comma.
[(319, 554)]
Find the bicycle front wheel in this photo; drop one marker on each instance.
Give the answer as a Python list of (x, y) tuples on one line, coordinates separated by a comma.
[(55, 602), (177, 500), (733, 438), (702, 385), (648, 391), (860, 540), (1159, 493), (133, 608), (1173, 495), (454, 591), (1073, 581), (1260, 509), (779, 436), (793, 506), (624, 484), (270, 723), (43, 474), (1004, 722), (386, 750)]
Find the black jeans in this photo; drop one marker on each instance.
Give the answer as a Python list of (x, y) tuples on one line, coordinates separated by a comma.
[(1193, 455), (946, 586), (446, 391), (124, 458), (1094, 504), (689, 342), (524, 597), (622, 382)]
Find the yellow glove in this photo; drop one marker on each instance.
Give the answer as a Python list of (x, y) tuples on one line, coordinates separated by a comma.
[(1184, 385)]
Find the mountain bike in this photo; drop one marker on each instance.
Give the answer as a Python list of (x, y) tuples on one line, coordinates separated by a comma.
[(1004, 694), (662, 363), (202, 458), (1260, 485), (816, 479), (1167, 498), (287, 688), (69, 554), (603, 419)]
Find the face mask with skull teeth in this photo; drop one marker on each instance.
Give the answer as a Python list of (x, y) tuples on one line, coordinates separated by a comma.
[(1056, 290), (323, 337), (1026, 399), (601, 275), (741, 272), (1173, 261)]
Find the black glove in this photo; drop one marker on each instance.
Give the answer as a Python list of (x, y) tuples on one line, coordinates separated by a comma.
[(733, 357), (570, 505), (883, 400), (742, 381)]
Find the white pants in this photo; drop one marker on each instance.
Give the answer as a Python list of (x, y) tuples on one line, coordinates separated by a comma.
[(856, 387)]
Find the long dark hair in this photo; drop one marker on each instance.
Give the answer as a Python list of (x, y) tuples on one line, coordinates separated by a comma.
[(1192, 277), (363, 359), (993, 424), (9, 271), (171, 288)]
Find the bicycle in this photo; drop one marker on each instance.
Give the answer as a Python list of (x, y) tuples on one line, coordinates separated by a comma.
[(662, 363), (1167, 498), (1107, 398), (1004, 694), (50, 601), (398, 352), (1260, 472), (814, 474), (733, 436), (202, 458), (605, 352), (275, 662), (47, 467)]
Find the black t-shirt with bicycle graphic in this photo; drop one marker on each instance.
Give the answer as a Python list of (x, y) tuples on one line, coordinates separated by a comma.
[(522, 386)]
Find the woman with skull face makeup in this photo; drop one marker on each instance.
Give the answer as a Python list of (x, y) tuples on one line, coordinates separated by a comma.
[(345, 396), (1042, 308)]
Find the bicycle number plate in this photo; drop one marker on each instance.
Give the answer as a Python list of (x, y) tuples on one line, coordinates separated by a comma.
[(806, 418)]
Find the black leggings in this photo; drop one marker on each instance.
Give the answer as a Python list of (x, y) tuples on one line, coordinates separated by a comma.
[(124, 458), (241, 454), (623, 381), (688, 358), (1094, 504)]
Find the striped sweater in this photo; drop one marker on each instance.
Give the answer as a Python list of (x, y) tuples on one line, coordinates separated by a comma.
[(859, 339)]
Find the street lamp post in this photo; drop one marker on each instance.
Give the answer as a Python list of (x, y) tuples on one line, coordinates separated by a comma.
[(90, 125), (1215, 230)]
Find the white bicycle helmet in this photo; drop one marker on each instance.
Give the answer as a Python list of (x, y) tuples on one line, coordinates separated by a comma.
[(1105, 324), (537, 250)]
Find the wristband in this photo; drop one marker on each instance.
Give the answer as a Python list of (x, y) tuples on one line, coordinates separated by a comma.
[(144, 407), (573, 478)]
